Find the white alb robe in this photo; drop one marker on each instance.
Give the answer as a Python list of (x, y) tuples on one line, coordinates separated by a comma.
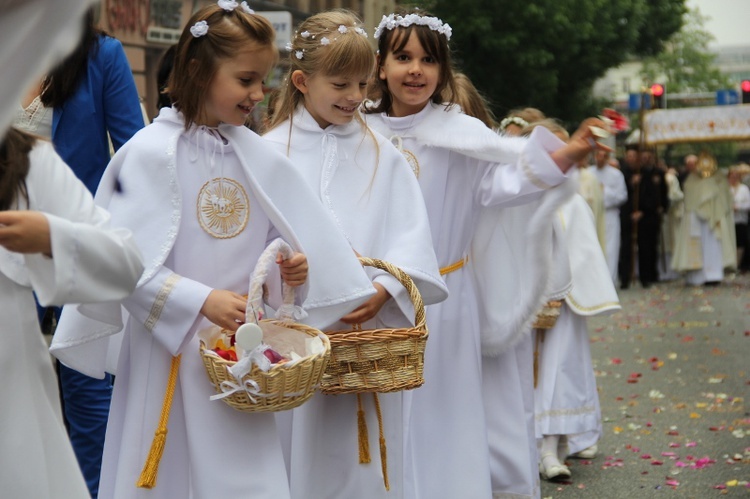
[(211, 449), (706, 241), (566, 399), (90, 262), (447, 451), (615, 195), (372, 195)]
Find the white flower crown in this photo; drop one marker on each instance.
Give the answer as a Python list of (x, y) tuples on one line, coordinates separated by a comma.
[(393, 21), (515, 120), (200, 28), (230, 5), (299, 54)]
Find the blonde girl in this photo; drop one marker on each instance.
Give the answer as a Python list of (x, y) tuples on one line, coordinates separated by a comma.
[(203, 196), (369, 191), (464, 168)]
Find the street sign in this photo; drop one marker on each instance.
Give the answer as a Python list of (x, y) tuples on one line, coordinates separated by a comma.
[(282, 23), (727, 97)]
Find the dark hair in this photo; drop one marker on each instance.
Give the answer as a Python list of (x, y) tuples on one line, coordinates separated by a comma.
[(196, 59), (436, 46), (162, 77), (14, 166), (60, 84)]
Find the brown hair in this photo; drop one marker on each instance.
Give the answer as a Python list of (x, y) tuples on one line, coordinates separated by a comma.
[(436, 46), (472, 102), (14, 166), (196, 58), (348, 54)]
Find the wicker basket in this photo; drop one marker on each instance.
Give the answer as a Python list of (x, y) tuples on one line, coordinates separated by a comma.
[(284, 386), (379, 360), (547, 317)]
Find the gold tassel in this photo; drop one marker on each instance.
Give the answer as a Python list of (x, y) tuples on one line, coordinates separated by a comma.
[(150, 470), (364, 442), (383, 449)]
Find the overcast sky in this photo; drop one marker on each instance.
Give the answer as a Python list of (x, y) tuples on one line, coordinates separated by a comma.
[(729, 20)]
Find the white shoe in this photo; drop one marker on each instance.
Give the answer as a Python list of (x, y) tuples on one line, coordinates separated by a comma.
[(588, 453), (550, 468)]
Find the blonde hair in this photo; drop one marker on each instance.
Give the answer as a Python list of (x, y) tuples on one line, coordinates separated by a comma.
[(550, 124), (347, 53), (196, 58), (471, 101)]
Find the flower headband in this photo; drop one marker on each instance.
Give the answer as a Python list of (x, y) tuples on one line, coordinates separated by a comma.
[(393, 21), (299, 54), (513, 120), (200, 28)]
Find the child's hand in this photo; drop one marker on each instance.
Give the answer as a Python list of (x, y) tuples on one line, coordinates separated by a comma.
[(294, 269), (25, 232), (581, 143), (370, 308), (225, 308)]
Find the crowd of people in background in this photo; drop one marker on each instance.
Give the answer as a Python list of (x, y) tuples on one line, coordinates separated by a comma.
[(513, 231)]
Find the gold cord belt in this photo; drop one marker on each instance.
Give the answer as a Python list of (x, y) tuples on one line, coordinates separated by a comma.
[(454, 266)]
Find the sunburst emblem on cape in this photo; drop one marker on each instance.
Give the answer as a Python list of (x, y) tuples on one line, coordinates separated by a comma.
[(410, 157), (223, 208)]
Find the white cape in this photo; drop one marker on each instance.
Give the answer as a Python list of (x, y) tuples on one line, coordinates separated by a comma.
[(512, 247), (141, 191)]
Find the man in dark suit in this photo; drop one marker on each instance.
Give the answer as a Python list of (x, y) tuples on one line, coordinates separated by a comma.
[(640, 216)]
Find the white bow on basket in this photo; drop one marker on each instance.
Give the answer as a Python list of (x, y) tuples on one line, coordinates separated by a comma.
[(253, 384)]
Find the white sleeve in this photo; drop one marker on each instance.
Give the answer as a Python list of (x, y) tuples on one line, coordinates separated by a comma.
[(91, 262), (615, 193), (534, 173), (168, 305)]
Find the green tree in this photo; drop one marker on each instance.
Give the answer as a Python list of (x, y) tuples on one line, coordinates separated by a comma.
[(686, 64), (548, 53)]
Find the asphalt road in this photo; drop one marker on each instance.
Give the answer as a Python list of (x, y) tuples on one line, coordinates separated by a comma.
[(673, 373)]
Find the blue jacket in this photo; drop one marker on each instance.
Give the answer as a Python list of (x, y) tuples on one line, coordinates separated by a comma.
[(106, 101)]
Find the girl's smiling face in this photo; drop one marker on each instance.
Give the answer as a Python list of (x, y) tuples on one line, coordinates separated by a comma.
[(412, 76), (331, 100), (237, 86)]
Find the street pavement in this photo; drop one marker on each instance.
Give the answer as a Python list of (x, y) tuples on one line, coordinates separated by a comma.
[(673, 373)]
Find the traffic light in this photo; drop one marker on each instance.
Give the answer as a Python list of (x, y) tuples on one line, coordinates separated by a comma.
[(658, 96), (745, 87)]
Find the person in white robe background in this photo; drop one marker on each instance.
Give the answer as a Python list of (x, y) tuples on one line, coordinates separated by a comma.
[(568, 417), (615, 195), (369, 191), (203, 195), (462, 167), (56, 243), (670, 225), (741, 208), (705, 244)]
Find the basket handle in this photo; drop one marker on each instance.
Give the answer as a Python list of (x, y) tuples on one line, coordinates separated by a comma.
[(265, 263), (406, 281)]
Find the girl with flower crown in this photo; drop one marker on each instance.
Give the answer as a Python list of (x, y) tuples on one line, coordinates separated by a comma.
[(370, 192), (464, 168), (203, 196)]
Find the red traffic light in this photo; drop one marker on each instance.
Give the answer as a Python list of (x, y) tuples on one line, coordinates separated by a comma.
[(657, 89), (745, 85)]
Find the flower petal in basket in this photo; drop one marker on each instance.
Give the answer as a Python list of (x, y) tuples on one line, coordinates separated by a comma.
[(283, 386)]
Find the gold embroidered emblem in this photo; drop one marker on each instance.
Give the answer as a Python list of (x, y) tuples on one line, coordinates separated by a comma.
[(223, 208), (411, 158)]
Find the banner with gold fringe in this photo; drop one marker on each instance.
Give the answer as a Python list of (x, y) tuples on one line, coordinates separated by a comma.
[(697, 124)]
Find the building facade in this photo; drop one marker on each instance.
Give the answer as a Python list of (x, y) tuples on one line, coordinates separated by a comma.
[(147, 28)]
